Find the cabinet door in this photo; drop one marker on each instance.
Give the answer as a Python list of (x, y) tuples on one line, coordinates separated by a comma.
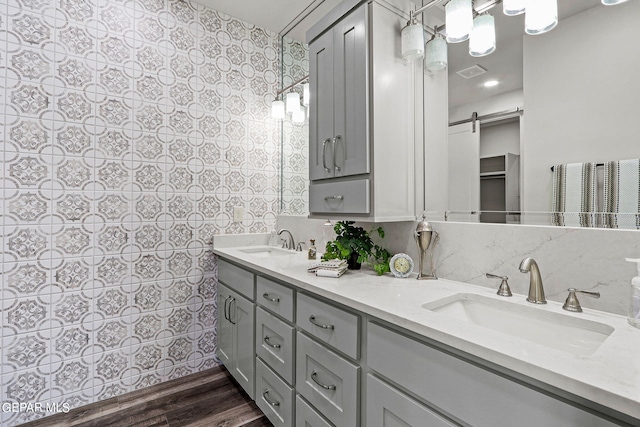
[(387, 407), (243, 315), (321, 110), (225, 327), (350, 145)]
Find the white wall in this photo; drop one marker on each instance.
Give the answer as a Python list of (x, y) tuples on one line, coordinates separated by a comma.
[(494, 104), (497, 139), (581, 90)]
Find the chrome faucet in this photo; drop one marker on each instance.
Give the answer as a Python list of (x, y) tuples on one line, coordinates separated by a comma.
[(536, 291), (291, 244)]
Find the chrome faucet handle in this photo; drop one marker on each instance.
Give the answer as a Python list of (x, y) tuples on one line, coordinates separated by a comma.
[(285, 245), (572, 303), (504, 290), (299, 247)]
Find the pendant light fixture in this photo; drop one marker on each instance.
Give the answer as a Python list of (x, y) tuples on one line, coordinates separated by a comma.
[(513, 7), (292, 102), (300, 115), (305, 94), (482, 40), (412, 40), (436, 53), (458, 20), (277, 109), (541, 16), (612, 2)]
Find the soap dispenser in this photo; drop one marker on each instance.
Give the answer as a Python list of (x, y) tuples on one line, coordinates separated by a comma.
[(312, 250), (634, 300)]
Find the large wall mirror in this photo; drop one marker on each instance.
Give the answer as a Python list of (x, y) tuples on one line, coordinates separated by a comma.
[(566, 97)]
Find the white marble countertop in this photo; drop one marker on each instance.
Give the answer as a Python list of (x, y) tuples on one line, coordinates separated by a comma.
[(610, 376)]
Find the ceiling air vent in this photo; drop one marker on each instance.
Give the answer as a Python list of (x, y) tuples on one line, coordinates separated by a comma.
[(473, 71)]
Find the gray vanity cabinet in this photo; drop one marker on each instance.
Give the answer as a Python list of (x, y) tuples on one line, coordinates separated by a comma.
[(338, 131), (236, 327), (362, 142)]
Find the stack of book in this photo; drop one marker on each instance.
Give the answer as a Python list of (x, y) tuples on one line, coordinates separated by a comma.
[(331, 268)]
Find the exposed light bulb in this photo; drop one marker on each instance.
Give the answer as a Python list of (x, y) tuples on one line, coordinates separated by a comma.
[(483, 36), (541, 16), (458, 20)]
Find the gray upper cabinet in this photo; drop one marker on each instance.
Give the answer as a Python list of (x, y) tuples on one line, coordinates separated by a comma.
[(338, 138), (363, 142)]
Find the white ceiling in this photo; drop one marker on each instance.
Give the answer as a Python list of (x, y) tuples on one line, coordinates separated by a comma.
[(276, 15)]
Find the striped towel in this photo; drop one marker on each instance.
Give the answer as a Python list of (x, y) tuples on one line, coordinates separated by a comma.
[(622, 194), (574, 195)]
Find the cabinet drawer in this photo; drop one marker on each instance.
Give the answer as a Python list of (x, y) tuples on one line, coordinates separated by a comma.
[(340, 197), (273, 396), (387, 407), (274, 343), (306, 416), (330, 324), (275, 297), (328, 381), (464, 391), (236, 278)]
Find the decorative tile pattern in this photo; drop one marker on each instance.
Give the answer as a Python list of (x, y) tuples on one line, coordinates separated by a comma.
[(120, 167)]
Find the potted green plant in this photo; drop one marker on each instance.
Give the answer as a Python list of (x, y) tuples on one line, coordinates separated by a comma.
[(355, 245)]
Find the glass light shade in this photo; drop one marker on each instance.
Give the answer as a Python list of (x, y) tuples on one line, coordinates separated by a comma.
[(292, 102), (513, 7), (300, 115), (436, 54), (277, 109), (412, 41), (482, 40), (305, 94), (458, 20), (612, 2), (541, 16)]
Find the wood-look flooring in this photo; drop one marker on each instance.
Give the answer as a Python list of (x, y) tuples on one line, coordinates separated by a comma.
[(207, 399)]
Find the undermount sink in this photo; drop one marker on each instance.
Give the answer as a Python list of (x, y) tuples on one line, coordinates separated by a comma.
[(266, 251), (555, 330)]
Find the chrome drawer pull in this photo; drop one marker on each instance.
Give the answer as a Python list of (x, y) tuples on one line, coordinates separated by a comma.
[(266, 341), (264, 396), (324, 386), (312, 319), (268, 298), (334, 198)]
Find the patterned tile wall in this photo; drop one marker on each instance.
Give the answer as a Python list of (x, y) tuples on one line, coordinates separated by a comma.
[(130, 129), (295, 136)]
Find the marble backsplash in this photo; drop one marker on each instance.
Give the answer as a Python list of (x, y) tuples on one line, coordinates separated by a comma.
[(582, 258)]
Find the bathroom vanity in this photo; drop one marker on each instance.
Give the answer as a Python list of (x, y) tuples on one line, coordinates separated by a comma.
[(367, 350)]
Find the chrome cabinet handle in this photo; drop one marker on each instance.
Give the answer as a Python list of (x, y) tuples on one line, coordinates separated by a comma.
[(312, 319), (226, 302), (334, 198), (324, 386), (268, 298), (266, 399), (232, 300), (324, 154), (266, 341), (335, 145)]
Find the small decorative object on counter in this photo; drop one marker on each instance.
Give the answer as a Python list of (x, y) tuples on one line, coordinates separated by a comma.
[(401, 265), (355, 245), (634, 298), (273, 237), (313, 253), (327, 234), (332, 268), (424, 235)]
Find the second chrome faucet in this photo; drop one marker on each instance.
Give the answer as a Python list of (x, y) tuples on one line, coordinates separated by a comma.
[(536, 290)]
